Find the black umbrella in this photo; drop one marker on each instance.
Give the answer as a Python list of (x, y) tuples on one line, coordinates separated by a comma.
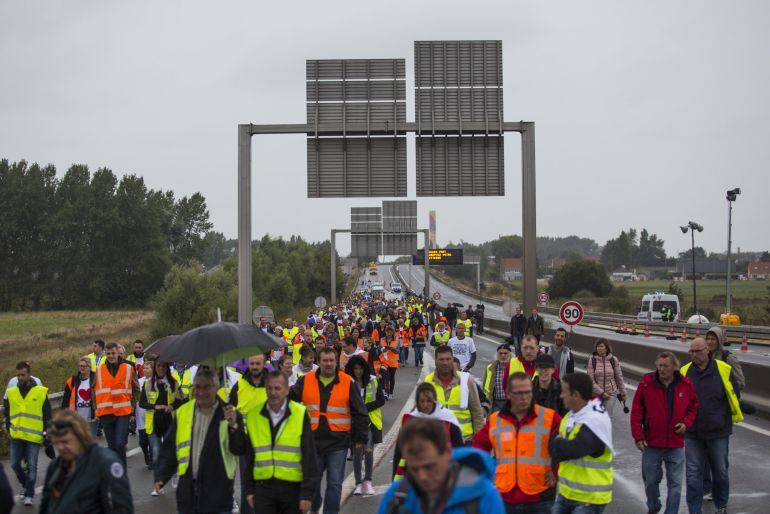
[(159, 345), (217, 343)]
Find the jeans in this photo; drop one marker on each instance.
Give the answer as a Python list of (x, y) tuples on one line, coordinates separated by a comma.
[(25, 451), (391, 380), (517, 342), (403, 355), (155, 441), (652, 474), (698, 452), (528, 508), (144, 444), (564, 506), (418, 355), (116, 433), (333, 463)]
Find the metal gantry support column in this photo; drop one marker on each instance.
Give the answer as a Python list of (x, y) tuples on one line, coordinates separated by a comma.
[(529, 214), (426, 263), (244, 224), (333, 266)]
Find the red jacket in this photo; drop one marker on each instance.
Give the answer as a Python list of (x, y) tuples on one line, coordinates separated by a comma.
[(651, 420)]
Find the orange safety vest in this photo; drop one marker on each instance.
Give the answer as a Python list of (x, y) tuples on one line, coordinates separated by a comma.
[(422, 333), (376, 335), (73, 394), (337, 410), (522, 455), (390, 358), (405, 335), (113, 394)]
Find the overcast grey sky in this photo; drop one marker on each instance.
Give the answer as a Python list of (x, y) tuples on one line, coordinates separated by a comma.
[(646, 112)]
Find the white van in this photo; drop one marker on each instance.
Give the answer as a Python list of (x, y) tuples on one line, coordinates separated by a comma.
[(653, 302), (395, 287)]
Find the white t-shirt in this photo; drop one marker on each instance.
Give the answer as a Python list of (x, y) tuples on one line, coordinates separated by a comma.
[(14, 381), (140, 412), (83, 399), (462, 349)]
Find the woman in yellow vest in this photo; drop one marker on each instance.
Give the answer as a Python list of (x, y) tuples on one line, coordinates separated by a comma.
[(157, 400), (374, 399)]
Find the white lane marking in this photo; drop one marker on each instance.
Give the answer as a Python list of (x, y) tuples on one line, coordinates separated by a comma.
[(742, 424), (389, 440)]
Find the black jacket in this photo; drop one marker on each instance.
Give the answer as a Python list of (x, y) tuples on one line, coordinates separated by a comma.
[(6, 493), (327, 441), (535, 327), (550, 397), (714, 419), (99, 485), (211, 491), (240, 444), (518, 325)]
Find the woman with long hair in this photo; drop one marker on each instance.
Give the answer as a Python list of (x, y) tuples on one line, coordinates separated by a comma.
[(157, 399), (606, 373)]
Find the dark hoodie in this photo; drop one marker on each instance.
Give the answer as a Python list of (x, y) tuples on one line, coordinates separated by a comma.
[(728, 357)]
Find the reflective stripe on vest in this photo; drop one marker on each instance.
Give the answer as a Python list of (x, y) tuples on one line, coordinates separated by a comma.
[(513, 366), (370, 395), (522, 455), (249, 396), (26, 413), (282, 460), (585, 480), (113, 394), (442, 337), (184, 428), (337, 412), (457, 401), (724, 370)]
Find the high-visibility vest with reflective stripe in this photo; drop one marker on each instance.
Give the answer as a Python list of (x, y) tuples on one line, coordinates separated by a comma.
[(467, 324), (732, 399), (295, 350), (282, 459), (337, 411), (95, 361), (457, 401), (249, 396), (184, 381), (513, 366), (391, 358), (184, 429), (113, 394), (290, 333), (587, 479), (73, 393), (149, 414), (370, 394), (26, 413), (442, 337), (522, 455)]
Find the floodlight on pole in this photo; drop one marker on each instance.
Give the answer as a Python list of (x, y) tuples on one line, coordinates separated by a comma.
[(732, 195), (692, 227)]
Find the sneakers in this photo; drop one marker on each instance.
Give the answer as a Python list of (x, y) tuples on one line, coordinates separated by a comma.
[(368, 488), (709, 497), (156, 493), (357, 491), (721, 510), (28, 501)]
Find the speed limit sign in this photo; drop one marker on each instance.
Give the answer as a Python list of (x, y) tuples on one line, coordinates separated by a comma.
[(571, 313), (437, 296)]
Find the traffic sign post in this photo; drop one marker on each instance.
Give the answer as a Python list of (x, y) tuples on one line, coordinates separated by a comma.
[(320, 302), (571, 313)]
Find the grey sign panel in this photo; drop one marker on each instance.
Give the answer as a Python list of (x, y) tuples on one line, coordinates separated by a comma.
[(399, 217), (363, 92), (399, 244), (366, 245), (348, 167), (365, 220), (459, 82), (460, 166)]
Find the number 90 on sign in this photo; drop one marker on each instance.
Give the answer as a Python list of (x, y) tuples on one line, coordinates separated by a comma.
[(571, 313)]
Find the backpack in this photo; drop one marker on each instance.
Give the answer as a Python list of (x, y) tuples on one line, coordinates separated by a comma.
[(612, 361)]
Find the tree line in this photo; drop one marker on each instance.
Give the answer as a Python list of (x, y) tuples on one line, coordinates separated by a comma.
[(90, 240)]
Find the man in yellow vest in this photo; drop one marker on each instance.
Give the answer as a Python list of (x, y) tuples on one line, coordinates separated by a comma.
[(496, 376), (97, 355), (199, 449), (456, 391), (282, 474), (246, 394), (583, 449), (518, 436), (27, 412), (707, 441)]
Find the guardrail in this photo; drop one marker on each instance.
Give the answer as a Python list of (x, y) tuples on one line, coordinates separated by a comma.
[(756, 334)]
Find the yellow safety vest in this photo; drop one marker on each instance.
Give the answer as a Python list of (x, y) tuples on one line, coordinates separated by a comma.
[(442, 337), (152, 398), (249, 396), (724, 370), (588, 479), (370, 395), (455, 403), (467, 324), (184, 426), (94, 363), (283, 459), (184, 382), (26, 413), (513, 366)]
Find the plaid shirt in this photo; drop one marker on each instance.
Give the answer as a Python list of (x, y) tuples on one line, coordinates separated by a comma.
[(498, 392)]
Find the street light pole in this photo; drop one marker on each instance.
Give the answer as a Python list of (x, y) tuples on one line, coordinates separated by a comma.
[(731, 196), (692, 227)]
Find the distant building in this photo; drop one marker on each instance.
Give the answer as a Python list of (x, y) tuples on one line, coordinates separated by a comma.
[(622, 274), (704, 268), (759, 270), (511, 269)]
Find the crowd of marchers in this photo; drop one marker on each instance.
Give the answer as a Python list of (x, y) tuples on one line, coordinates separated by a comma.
[(533, 435)]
